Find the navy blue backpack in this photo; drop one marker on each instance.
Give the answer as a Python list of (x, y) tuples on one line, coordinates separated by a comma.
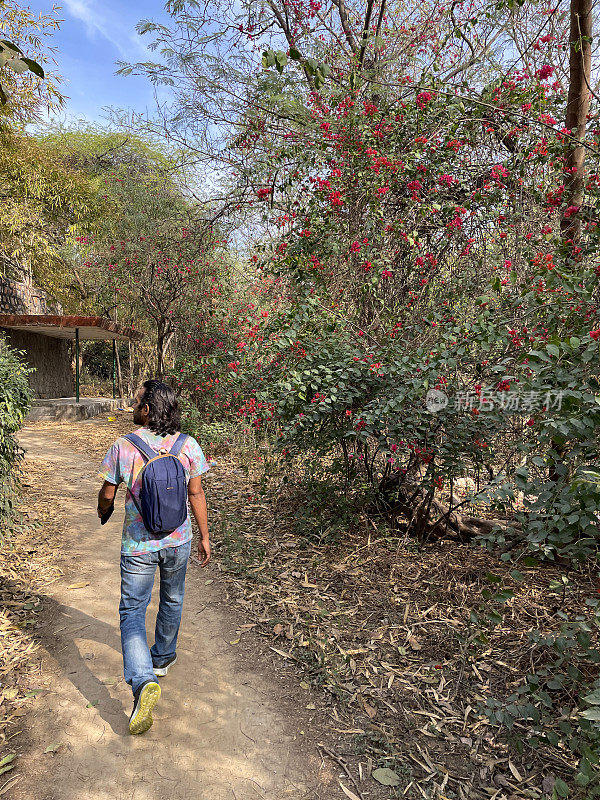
[(163, 495)]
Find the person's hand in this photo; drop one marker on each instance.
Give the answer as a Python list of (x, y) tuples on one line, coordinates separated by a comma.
[(203, 551)]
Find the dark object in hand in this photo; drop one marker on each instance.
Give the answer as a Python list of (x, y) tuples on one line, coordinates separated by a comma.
[(107, 515)]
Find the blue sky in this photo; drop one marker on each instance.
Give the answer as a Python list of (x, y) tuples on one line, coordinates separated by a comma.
[(93, 36)]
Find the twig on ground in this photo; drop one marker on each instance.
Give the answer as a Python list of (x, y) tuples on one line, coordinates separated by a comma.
[(343, 764)]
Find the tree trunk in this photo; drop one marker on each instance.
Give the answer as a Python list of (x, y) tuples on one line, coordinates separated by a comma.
[(163, 341), (131, 387), (119, 373), (429, 519), (160, 359), (160, 349), (578, 106)]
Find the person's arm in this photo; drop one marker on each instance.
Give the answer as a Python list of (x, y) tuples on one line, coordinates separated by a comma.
[(106, 497), (200, 512), (111, 476)]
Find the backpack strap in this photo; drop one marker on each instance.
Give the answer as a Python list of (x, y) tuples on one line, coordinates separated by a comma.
[(140, 445), (147, 454), (135, 502), (179, 443)]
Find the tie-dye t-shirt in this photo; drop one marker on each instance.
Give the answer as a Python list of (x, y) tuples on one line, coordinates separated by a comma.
[(123, 463)]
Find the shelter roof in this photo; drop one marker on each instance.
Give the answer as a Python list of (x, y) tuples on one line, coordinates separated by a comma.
[(64, 327)]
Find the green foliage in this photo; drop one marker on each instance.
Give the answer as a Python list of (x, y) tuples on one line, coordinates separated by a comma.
[(97, 358), (322, 515), (12, 57), (213, 435), (44, 198), (14, 406), (401, 276), (278, 59), (29, 84), (154, 248), (558, 703), (560, 518)]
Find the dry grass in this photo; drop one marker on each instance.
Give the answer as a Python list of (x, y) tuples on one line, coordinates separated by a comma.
[(28, 564)]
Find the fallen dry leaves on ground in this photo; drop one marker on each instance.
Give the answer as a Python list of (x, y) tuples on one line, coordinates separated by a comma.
[(381, 625), (28, 564)]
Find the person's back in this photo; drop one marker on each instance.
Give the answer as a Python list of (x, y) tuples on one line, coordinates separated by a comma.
[(142, 550)]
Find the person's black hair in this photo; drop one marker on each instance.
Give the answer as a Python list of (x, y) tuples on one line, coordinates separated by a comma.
[(164, 416)]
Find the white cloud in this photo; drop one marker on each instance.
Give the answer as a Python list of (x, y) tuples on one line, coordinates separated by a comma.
[(103, 21)]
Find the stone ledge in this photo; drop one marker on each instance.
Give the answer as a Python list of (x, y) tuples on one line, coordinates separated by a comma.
[(61, 408)]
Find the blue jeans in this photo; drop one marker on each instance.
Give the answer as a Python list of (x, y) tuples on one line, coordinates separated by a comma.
[(137, 579)]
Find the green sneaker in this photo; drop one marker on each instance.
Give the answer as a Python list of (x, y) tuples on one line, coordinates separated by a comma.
[(144, 701)]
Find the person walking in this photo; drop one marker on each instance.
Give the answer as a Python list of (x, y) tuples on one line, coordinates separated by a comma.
[(161, 469)]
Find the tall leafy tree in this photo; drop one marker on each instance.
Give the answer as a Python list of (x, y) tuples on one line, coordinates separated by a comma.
[(154, 249), (41, 199)]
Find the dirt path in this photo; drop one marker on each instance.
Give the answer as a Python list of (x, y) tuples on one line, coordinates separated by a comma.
[(220, 732)]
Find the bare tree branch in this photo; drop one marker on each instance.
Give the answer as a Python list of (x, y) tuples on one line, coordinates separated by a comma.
[(345, 22)]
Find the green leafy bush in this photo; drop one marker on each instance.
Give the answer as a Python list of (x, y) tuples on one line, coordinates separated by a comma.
[(557, 704), (213, 436), (14, 406)]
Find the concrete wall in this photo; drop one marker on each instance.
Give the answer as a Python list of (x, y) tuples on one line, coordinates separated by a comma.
[(51, 358)]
